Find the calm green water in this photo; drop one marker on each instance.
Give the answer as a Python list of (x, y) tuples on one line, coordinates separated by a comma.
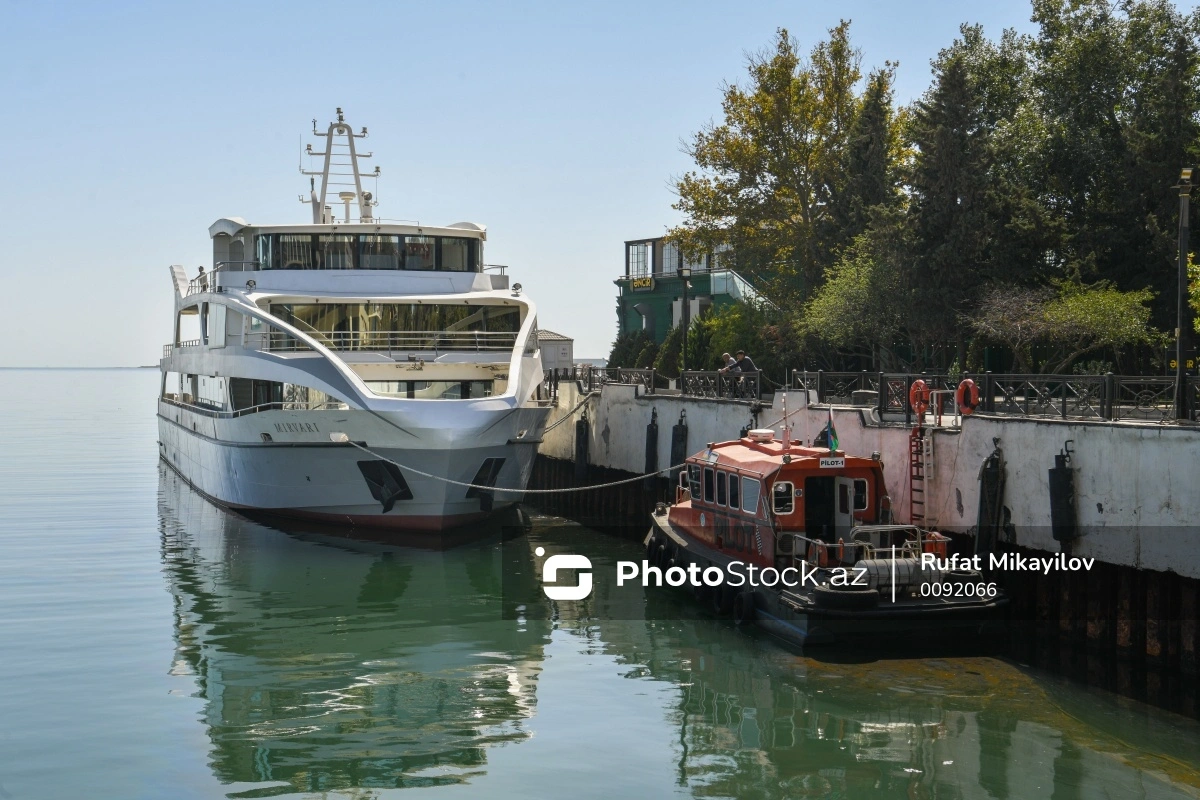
[(152, 645)]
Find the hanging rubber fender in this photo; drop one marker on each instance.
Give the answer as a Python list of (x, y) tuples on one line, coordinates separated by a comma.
[(652, 549), (743, 608), (967, 397), (918, 396), (722, 600)]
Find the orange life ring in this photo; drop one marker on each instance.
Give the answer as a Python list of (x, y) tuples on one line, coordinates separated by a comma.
[(967, 397), (918, 396)]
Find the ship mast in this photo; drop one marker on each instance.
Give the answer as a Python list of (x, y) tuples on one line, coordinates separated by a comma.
[(339, 156)]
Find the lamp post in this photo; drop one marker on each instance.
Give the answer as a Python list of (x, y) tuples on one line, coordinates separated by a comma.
[(1183, 332), (684, 274)]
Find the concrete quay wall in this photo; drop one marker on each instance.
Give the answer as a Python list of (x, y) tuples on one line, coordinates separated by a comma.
[(1136, 484)]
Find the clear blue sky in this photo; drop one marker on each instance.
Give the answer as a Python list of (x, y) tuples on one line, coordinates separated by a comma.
[(128, 128)]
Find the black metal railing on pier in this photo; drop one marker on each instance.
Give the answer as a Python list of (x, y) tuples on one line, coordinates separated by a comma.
[(721, 385), (590, 378), (1098, 397)]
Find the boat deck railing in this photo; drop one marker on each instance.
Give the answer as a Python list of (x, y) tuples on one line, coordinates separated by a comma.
[(209, 411), (390, 342)]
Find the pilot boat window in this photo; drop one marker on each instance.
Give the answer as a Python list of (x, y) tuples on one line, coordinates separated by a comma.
[(843, 499), (693, 481), (709, 482), (733, 492), (782, 500), (720, 488), (860, 494), (750, 493)]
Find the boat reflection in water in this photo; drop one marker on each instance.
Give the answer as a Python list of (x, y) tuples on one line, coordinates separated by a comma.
[(349, 667), (329, 663)]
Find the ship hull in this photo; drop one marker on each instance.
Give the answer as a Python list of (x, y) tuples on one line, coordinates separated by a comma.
[(285, 464)]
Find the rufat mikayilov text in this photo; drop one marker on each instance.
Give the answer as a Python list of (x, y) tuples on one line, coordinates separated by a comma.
[(1008, 562)]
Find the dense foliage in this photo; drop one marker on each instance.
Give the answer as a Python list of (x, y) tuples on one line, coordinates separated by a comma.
[(1023, 204)]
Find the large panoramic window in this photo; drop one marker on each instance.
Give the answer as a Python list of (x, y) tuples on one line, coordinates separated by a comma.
[(406, 326), (432, 390)]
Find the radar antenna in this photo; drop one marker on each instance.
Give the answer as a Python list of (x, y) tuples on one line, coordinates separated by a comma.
[(340, 162)]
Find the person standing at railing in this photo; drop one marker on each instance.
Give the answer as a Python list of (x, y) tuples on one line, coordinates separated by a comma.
[(202, 280), (745, 367), (731, 365)]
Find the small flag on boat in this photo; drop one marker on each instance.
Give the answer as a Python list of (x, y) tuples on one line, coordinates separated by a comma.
[(831, 437)]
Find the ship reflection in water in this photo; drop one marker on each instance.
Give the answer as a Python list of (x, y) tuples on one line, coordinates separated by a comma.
[(327, 664)]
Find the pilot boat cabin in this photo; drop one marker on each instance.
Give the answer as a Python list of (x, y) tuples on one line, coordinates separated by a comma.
[(746, 498)]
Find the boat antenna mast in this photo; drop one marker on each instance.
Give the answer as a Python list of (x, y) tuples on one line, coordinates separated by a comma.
[(341, 162)]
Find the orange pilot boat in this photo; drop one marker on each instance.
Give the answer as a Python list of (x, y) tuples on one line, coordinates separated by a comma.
[(801, 541)]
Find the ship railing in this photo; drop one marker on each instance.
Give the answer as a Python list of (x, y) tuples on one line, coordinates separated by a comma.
[(409, 342), (208, 281), (281, 405), (721, 385), (170, 348)]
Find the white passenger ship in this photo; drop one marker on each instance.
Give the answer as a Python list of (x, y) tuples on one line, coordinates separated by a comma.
[(306, 339)]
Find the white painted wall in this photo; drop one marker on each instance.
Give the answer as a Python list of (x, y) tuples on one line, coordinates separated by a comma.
[(1136, 484)]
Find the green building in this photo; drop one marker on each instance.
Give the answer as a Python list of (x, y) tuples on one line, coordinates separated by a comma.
[(650, 294)]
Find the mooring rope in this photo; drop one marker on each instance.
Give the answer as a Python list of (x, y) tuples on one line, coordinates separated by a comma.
[(513, 491), (570, 413)]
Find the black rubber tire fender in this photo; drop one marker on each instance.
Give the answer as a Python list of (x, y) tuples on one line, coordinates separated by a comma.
[(744, 608), (722, 600)]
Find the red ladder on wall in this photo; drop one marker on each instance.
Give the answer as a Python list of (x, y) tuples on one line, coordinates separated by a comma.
[(916, 476)]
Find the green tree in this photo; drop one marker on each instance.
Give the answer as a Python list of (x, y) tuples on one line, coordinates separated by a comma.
[(1118, 91), (768, 174), (950, 218), (860, 309), (666, 362), (627, 349), (1067, 324), (871, 160)]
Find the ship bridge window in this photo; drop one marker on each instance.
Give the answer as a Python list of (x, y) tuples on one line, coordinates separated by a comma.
[(693, 478), (709, 484), (367, 251), (750, 493), (860, 494), (782, 499), (336, 251), (720, 488), (733, 492)]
